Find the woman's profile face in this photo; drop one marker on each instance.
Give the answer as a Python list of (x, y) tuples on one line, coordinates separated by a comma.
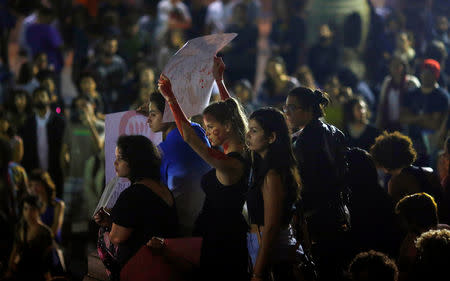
[(120, 165), (30, 213), (215, 131), (155, 118), (256, 140)]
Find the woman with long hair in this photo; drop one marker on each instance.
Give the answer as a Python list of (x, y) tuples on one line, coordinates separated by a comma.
[(273, 191), (31, 255), (52, 208), (224, 254), (143, 210)]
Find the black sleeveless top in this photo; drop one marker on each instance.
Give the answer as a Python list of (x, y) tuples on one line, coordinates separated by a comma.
[(255, 200), (222, 209)]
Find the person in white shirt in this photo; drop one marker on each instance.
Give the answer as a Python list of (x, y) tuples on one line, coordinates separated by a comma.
[(42, 138), (219, 15)]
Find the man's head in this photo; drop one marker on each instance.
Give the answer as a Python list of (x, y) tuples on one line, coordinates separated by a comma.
[(430, 72), (110, 46), (442, 24), (41, 99)]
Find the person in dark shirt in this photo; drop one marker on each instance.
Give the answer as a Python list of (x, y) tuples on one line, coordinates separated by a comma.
[(221, 224), (181, 168), (424, 110), (323, 56), (241, 56), (357, 130), (143, 210), (42, 37), (370, 206), (274, 187), (31, 254), (110, 70)]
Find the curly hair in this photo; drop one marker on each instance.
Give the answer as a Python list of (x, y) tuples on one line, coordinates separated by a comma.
[(373, 266), (434, 252), (393, 151)]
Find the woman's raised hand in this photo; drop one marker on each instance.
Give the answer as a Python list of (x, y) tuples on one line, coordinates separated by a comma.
[(165, 87), (218, 68)]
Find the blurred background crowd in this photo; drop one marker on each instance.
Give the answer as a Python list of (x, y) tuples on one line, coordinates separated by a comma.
[(64, 64)]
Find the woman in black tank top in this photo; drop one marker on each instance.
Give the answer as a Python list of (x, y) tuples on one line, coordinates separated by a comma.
[(224, 253), (274, 184)]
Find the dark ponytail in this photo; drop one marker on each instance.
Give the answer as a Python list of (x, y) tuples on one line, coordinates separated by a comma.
[(315, 101), (229, 111)]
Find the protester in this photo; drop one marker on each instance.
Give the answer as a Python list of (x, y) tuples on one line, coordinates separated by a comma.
[(107, 48), (277, 84), (273, 191), (424, 110), (372, 265), (181, 167), (20, 108), (143, 210), (419, 213), (222, 226), (358, 131), (83, 140), (393, 90), (52, 208), (31, 254), (320, 151), (394, 153), (42, 136), (433, 249), (370, 206)]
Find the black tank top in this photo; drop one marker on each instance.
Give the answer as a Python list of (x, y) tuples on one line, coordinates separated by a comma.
[(255, 200)]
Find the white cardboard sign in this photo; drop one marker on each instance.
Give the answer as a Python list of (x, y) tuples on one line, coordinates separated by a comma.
[(117, 124), (190, 73)]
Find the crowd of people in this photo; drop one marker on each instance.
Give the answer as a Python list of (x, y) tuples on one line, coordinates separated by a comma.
[(339, 158)]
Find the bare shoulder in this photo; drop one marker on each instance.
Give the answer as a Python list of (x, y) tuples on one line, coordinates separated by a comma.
[(59, 205), (272, 179)]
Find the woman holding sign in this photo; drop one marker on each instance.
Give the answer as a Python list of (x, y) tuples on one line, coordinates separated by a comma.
[(143, 210), (224, 254)]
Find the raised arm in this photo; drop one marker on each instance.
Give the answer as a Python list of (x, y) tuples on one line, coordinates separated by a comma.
[(218, 69), (215, 158)]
